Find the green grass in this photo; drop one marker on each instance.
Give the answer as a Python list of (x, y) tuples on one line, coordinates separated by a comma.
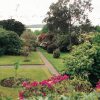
[(9, 60), (34, 73), (57, 63)]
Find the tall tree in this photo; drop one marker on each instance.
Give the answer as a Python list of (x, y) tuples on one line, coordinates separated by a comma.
[(13, 25), (65, 14)]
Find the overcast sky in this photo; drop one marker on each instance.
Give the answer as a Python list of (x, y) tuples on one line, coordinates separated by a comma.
[(34, 11)]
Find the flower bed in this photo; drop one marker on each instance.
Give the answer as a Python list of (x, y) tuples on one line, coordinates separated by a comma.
[(42, 88), (58, 86)]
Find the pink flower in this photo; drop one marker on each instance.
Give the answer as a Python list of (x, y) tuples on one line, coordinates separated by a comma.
[(44, 94), (24, 84), (34, 84), (98, 86), (21, 95), (28, 86)]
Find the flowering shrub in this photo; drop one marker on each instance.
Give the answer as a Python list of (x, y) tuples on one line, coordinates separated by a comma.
[(41, 37), (42, 88), (98, 86)]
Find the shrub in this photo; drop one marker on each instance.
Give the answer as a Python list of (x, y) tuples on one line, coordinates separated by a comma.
[(58, 88), (42, 88), (37, 32), (98, 86), (45, 29), (95, 71), (63, 42), (84, 61), (41, 37), (51, 48), (29, 39), (56, 53), (10, 42), (2, 51)]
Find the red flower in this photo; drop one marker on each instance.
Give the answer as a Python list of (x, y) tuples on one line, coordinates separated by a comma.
[(24, 84), (44, 94), (21, 95), (34, 84)]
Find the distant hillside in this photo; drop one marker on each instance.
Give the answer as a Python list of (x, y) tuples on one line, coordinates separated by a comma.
[(35, 26)]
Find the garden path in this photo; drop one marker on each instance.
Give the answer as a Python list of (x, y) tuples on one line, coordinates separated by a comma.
[(46, 64)]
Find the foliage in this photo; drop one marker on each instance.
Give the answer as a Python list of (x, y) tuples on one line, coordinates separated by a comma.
[(56, 53), (98, 86), (29, 39), (96, 39), (65, 13), (42, 88), (2, 51), (86, 27), (95, 72), (84, 61), (73, 96), (44, 40), (10, 42), (97, 29), (37, 32), (51, 48), (16, 67), (64, 43), (58, 88), (45, 29), (29, 44), (13, 25)]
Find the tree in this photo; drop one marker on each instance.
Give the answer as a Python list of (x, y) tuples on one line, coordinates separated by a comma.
[(87, 27), (45, 29), (97, 28), (13, 25), (65, 14)]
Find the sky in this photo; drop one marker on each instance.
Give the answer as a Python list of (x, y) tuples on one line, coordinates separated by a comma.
[(34, 11)]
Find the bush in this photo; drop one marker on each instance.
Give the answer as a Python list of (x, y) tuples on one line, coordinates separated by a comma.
[(29, 39), (10, 42), (83, 62), (2, 51), (51, 48), (63, 42), (37, 32), (69, 89), (56, 53)]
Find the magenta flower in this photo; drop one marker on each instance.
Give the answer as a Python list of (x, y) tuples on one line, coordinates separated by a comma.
[(21, 95), (34, 84), (98, 85), (24, 84)]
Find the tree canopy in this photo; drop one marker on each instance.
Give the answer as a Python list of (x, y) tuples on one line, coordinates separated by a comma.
[(13, 25), (65, 13)]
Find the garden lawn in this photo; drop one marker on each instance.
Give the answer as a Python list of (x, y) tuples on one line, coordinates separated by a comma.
[(58, 63), (35, 73), (10, 60)]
